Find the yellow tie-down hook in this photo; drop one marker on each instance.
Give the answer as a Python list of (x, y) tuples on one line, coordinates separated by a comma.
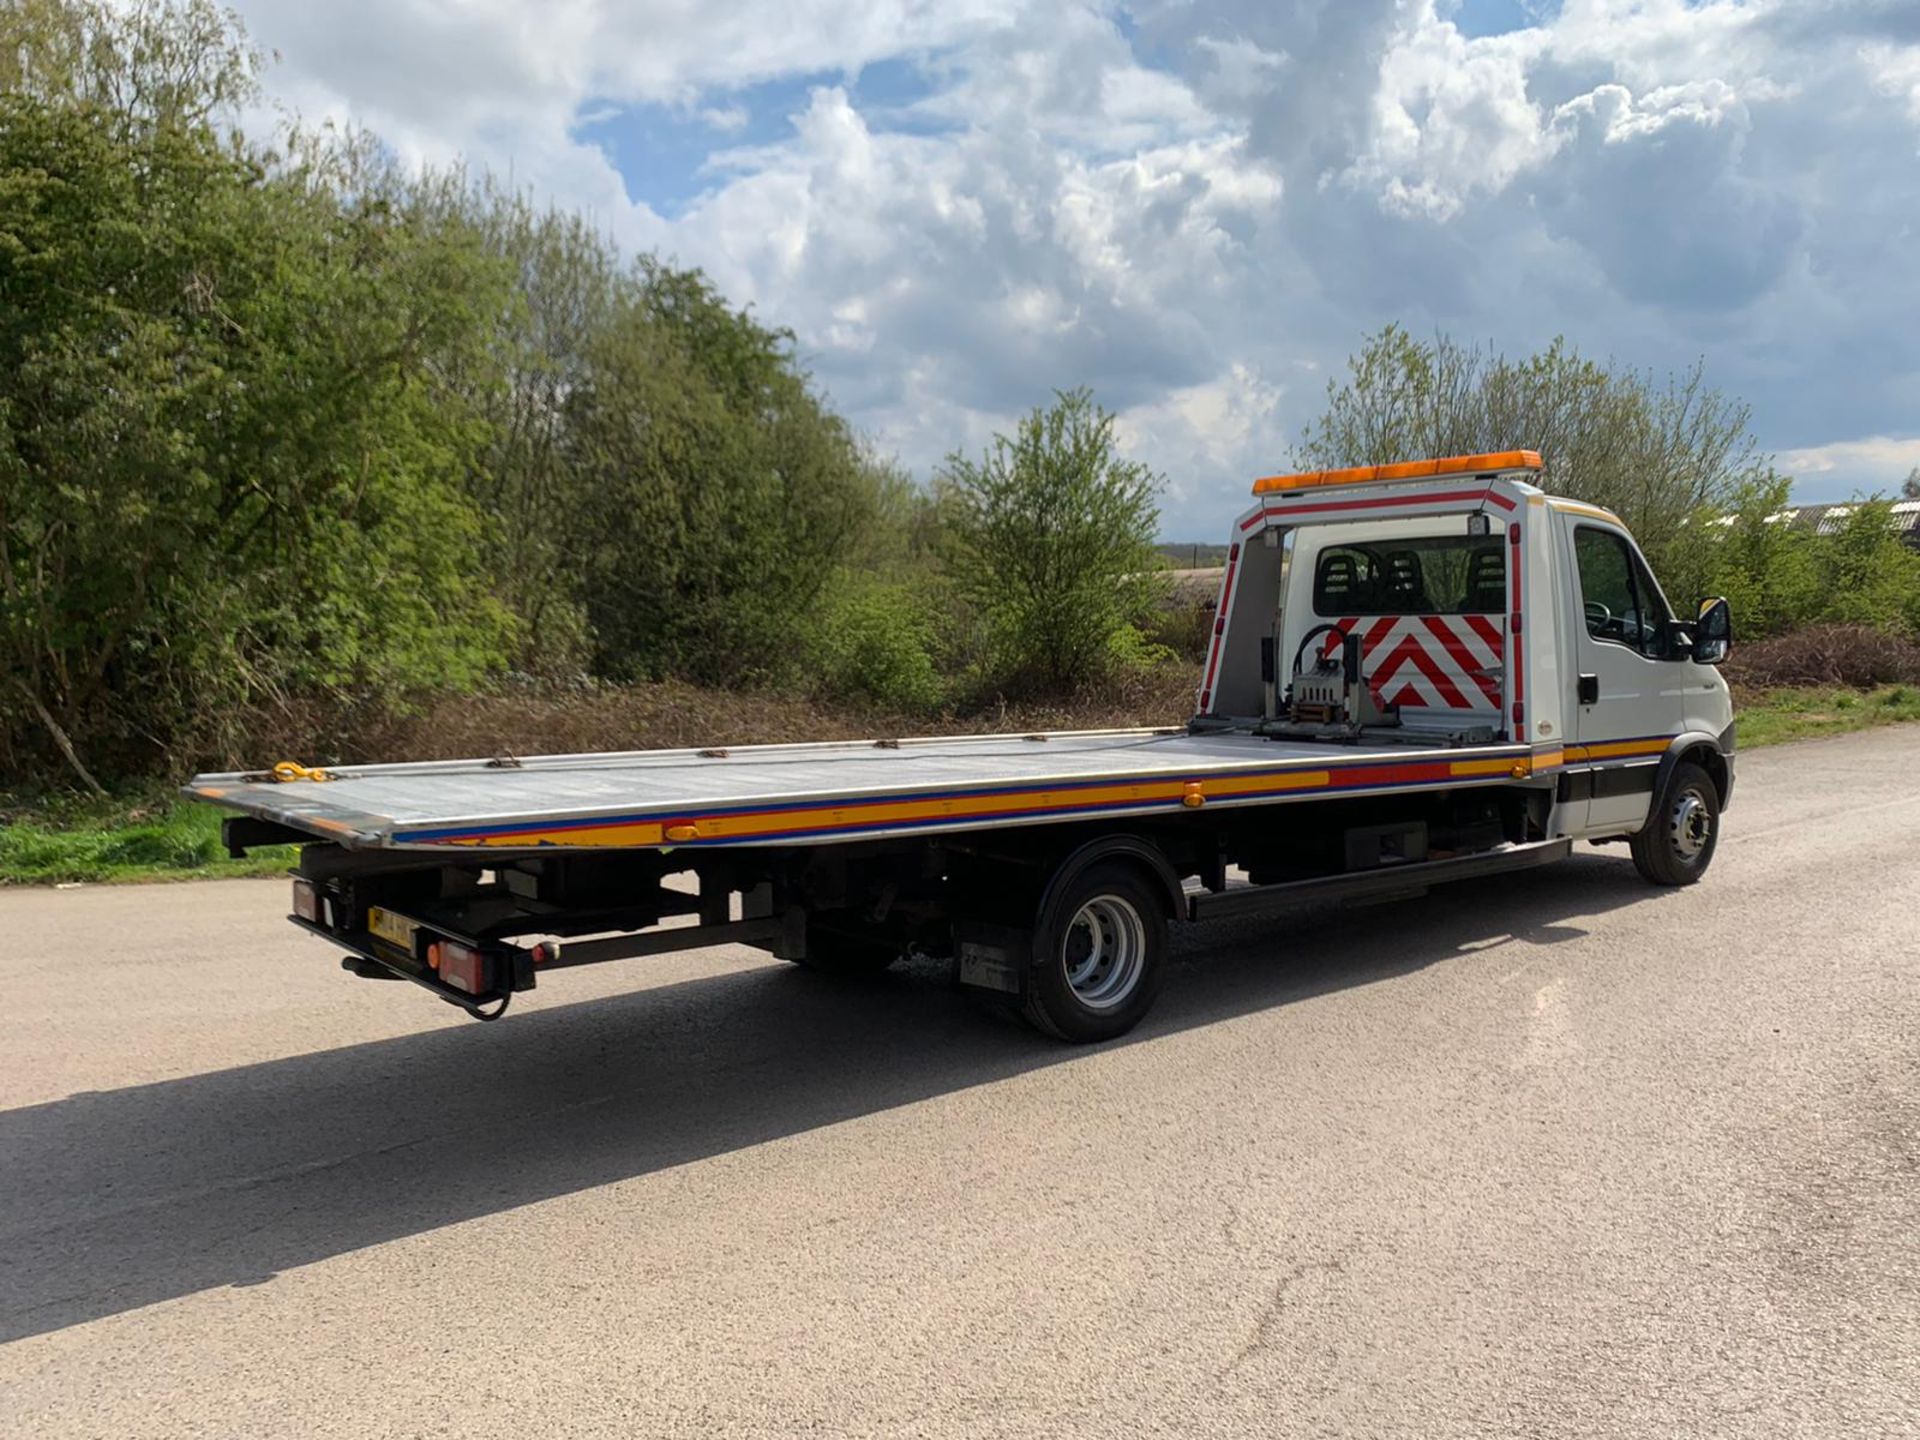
[(289, 770)]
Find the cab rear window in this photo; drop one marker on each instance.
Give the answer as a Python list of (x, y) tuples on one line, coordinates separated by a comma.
[(1443, 575)]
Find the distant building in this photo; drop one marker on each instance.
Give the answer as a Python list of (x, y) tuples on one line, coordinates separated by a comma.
[(1831, 519)]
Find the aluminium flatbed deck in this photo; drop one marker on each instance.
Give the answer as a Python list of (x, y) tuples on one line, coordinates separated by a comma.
[(834, 791)]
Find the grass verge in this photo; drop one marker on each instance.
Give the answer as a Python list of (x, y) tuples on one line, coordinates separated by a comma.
[(1772, 716), (63, 839)]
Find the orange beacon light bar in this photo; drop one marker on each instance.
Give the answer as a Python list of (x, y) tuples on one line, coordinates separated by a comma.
[(1404, 470)]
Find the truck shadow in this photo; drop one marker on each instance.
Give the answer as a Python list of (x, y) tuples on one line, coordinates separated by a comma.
[(114, 1200)]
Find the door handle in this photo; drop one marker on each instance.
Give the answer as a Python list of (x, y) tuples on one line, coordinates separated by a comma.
[(1589, 690)]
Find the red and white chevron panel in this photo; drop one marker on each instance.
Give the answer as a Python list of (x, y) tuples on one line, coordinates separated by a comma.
[(1436, 662)]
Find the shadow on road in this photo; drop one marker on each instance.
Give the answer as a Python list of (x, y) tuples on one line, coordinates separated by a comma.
[(114, 1200)]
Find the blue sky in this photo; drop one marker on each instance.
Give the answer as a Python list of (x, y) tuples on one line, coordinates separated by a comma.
[(666, 152), (1200, 209), (1478, 18)]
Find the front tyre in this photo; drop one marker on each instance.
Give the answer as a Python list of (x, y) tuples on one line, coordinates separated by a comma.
[(1683, 828), (1099, 952)]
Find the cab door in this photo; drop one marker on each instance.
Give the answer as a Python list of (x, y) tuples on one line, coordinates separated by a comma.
[(1626, 700)]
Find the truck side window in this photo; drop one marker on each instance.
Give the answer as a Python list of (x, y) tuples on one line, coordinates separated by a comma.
[(1621, 601), (1653, 610)]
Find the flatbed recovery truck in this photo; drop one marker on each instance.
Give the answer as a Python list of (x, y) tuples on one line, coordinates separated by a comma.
[(1418, 673)]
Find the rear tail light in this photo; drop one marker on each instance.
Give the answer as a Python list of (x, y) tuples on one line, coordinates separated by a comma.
[(306, 901), (460, 966)]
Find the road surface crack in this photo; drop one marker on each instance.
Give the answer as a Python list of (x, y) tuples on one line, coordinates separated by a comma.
[(1266, 1329)]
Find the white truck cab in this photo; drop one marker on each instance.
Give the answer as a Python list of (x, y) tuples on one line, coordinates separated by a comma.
[(1480, 610)]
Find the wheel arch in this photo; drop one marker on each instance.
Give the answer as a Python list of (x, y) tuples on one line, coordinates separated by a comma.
[(1696, 748), (1134, 850)]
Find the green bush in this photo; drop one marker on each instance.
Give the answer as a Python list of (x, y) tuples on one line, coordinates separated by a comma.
[(1184, 630), (874, 641), (284, 427), (1867, 576), (1128, 649), (1781, 578), (1049, 538)]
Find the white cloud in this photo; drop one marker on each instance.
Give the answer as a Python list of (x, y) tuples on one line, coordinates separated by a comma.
[(1225, 426), (1241, 69), (1452, 118), (1176, 204), (1622, 117), (725, 118), (1876, 462), (1017, 269), (1896, 71)]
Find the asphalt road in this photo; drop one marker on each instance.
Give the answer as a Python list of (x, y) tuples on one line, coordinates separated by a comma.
[(1559, 1155)]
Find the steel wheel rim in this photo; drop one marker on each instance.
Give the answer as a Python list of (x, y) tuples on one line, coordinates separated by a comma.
[(1691, 826), (1104, 952)]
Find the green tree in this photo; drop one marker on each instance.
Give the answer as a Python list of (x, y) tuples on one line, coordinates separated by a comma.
[(1749, 553), (140, 66), (1050, 539), (228, 470), (568, 285), (1866, 576), (1655, 452), (292, 432), (719, 492), (1781, 574)]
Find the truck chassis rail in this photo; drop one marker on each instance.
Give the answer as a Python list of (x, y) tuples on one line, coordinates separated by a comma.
[(1388, 882)]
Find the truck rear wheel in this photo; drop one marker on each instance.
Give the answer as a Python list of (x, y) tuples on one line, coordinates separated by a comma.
[(1677, 843), (1099, 951)]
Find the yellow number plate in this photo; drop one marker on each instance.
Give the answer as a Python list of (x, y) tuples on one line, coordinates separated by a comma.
[(392, 928)]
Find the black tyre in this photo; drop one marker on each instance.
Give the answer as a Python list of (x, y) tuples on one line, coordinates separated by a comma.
[(1682, 829), (1100, 949)]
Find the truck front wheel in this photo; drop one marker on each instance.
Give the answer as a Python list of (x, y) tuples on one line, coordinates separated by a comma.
[(1676, 845), (1099, 951)]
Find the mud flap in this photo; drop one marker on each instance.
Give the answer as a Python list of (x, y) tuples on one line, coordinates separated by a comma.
[(992, 957)]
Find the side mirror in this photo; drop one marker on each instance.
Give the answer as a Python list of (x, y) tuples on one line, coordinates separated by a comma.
[(1713, 632)]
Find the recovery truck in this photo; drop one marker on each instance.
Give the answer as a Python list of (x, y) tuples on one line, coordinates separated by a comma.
[(1418, 673)]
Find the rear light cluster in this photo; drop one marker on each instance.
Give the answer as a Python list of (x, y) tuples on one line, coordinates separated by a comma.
[(306, 902), (460, 966)]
